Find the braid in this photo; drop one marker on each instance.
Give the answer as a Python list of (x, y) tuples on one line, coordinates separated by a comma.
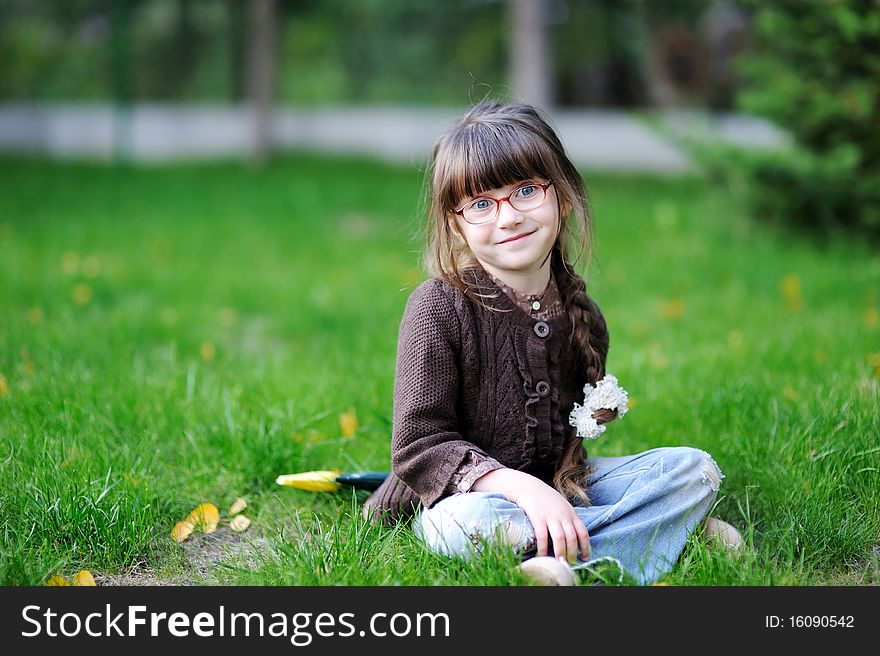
[(589, 333)]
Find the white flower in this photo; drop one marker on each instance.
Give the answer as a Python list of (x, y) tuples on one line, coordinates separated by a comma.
[(606, 394)]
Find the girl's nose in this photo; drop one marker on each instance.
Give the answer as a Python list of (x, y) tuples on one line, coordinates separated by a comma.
[(508, 215)]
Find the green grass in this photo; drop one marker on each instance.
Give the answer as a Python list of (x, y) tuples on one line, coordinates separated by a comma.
[(179, 334)]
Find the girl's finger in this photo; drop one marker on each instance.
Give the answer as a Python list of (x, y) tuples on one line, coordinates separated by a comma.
[(540, 537), (571, 541), (558, 535), (583, 539)]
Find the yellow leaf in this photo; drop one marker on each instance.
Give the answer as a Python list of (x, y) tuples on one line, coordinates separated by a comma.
[(671, 308), (205, 517), (207, 351), (314, 481), (239, 505), (348, 423), (58, 580), (239, 523), (410, 277), (4, 386), (82, 294), (181, 531), (27, 361), (35, 316), (872, 317), (83, 578), (789, 393), (791, 291), (660, 583)]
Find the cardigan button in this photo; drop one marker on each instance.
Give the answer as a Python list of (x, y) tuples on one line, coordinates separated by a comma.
[(543, 452), (542, 388), (542, 329)]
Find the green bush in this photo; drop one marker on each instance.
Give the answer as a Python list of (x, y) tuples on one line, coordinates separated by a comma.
[(814, 70)]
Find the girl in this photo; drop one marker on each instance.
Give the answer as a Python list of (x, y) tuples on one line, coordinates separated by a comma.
[(494, 351)]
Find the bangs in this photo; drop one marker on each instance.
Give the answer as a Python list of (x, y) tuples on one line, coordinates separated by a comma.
[(487, 155)]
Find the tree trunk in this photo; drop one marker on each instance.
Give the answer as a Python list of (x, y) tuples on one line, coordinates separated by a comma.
[(261, 76), (530, 71)]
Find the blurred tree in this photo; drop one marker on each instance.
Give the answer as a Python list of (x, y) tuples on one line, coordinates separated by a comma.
[(815, 72), (596, 52), (120, 54), (261, 74), (235, 21), (532, 77)]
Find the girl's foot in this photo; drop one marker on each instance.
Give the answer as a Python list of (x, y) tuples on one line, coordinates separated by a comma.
[(718, 532), (546, 570)]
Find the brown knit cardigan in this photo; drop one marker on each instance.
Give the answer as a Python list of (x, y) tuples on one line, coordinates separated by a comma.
[(475, 387)]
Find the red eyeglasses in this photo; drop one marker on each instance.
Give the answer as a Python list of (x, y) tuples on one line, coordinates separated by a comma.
[(524, 198)]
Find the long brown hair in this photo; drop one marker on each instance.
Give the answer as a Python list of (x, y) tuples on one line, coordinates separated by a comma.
[(495, 145)]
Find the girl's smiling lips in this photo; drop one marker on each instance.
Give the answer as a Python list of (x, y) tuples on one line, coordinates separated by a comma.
[(518, 237)]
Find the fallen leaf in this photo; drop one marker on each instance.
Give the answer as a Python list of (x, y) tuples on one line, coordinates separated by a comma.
[(83, 578), (872, 317), (348, 423), (239, 523), (791, 291), (181, 531), (671, 308), (4, 386), (35, 316), (57, 580), (239, 505), (27, 361), (205, 517), (315, 481), (82, 294), (207, 351)]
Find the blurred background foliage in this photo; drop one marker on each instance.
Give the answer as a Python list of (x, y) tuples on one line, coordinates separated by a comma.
[(815, 69), (614, 53), (810, 66)]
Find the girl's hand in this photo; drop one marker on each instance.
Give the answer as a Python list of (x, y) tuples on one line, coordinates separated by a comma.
[(548, 511)]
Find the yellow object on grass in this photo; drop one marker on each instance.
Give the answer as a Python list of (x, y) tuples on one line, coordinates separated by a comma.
[(313, 481)]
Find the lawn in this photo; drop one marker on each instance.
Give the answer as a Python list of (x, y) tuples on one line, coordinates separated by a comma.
[(174, 335)]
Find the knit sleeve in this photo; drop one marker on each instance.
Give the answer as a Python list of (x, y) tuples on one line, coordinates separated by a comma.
[(428, 452)]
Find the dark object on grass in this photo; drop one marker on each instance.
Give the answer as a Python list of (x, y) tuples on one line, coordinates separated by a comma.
[(370, 480)]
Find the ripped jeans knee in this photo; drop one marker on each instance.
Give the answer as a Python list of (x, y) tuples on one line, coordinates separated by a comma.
[(462, 524), (711, 473)]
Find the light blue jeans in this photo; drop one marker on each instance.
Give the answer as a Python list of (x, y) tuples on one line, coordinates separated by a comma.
[(643, 509)]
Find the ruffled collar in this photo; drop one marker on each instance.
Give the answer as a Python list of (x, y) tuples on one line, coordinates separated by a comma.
[(493, 294)]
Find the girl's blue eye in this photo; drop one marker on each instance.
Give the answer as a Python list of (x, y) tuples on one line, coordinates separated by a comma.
[(481, 205), (526, 192)]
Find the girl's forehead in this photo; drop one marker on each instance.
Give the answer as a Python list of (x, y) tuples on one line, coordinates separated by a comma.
[(506, 189)]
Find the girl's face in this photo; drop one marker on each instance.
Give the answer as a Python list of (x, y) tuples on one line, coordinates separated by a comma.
[(515, 241)]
